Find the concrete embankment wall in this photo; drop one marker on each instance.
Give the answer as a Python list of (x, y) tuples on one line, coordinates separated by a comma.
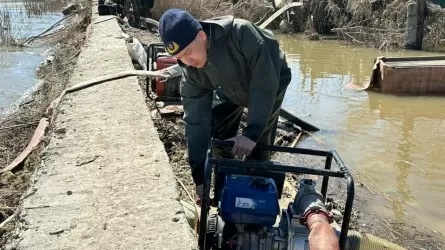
[(104, 180)]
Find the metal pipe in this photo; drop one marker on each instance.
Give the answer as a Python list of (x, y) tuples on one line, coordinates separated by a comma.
[(347, 214), (324, 186), (279, 149), (275, 167), (205, 200), (349, 200), (307, 197)]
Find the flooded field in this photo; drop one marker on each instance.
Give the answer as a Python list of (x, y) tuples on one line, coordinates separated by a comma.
[(17, 69), (395, 143), (21, 20)]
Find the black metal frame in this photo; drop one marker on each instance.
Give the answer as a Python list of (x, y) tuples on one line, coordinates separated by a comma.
[(150, 52), (326, 173)]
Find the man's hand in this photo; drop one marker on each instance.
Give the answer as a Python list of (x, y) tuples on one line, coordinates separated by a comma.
[(321, 236), (243, 145)]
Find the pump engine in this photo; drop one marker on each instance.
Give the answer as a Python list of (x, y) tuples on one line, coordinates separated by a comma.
[(157, 59), (246, 197)]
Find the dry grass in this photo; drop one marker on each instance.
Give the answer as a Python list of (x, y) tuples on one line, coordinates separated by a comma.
[(17, 129), (40, 7), (369, 25), (381, 25), (6, 36), (15, 17), (13, 24), (252, 10), (435, 35)]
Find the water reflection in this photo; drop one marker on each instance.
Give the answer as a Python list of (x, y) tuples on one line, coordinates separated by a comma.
[(17, 75), (392, 140), (413, 125), (17, 65), (30, 18), (404, 150)]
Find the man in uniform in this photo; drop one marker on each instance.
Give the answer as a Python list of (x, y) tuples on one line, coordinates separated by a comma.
[(239, 62), (230, 64)]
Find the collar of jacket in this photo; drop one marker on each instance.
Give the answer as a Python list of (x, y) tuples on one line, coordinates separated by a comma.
[(220, 28), (216, 29)]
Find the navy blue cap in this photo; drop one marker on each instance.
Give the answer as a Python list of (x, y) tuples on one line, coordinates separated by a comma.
[(177, 29)]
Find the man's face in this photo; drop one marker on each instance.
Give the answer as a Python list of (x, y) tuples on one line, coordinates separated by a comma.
[(195, 54)]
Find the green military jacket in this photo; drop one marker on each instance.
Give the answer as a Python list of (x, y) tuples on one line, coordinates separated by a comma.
[(244, 63)]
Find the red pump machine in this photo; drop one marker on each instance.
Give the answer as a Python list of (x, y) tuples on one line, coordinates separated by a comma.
[(159, 59)]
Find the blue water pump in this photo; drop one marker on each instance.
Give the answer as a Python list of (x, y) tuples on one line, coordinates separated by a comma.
[(249, 200), (246, 195)]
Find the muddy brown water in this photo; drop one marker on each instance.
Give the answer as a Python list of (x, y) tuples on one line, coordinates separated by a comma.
[(395, 143)]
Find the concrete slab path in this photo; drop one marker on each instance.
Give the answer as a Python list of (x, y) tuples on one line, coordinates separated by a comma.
[(105, 180)]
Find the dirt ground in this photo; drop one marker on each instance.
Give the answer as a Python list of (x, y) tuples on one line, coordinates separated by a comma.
[(413, 236), (17, 128)]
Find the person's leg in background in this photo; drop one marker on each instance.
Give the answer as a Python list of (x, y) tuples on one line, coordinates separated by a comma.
[(136, 12), (146, 6), (151, 4)]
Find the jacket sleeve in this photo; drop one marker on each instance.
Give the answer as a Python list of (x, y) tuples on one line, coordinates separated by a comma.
[(264, 79), (197, 103)]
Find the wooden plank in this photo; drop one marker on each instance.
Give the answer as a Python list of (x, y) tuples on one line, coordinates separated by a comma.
[(412, 58), (279, 12), (413, 64), (297, 121)]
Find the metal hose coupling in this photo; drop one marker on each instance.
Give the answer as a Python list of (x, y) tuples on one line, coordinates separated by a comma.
[(309, 201)]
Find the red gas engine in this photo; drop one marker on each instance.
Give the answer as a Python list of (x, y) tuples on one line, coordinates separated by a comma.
[(159, 59)]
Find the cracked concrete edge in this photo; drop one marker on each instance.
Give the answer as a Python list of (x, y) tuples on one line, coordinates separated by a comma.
[(38, 173)]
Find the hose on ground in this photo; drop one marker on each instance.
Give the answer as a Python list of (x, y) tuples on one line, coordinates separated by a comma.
[(364, 241)]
